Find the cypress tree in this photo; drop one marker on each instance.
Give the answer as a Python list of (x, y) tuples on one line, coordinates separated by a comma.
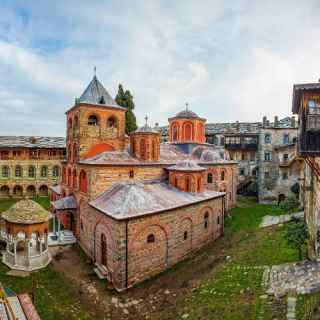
[(125, 99)]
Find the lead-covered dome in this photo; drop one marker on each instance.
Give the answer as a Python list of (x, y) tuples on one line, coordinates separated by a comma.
[(187, 114), (210, 155), (186, 165)]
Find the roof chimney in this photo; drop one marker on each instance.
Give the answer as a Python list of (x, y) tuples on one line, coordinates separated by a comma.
[(276, 121), (264, 121)]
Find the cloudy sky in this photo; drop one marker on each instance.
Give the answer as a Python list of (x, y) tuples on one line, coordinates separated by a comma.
[(230, 60)]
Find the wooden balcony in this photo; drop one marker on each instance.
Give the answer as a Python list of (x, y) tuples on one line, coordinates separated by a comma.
[(241, 146)]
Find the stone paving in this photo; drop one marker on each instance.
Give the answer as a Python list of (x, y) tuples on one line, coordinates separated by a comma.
[(268, 221), (297, 278)]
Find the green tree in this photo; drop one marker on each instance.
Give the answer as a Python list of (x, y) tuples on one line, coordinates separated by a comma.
[(296, 234), (125, 99)]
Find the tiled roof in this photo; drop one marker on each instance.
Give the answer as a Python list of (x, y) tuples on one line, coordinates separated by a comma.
[(65, 203), (134, 199), (32, 142), (26, 212), (96, 94), (169, 154), (186, 165)]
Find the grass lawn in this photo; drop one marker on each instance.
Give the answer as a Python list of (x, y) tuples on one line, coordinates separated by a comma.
[(54, 296), (232, 289)]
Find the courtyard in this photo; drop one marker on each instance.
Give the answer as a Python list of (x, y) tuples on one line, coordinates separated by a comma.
[(221, 281)]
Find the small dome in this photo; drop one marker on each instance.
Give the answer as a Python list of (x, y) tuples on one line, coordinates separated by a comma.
[(26, 212), (146, 129), (210, 155), (187, 114), (186, 165)]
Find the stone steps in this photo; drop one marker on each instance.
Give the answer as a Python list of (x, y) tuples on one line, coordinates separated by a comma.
[(101, 271)]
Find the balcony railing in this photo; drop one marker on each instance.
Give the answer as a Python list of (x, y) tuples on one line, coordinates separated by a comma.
[(241, 146)]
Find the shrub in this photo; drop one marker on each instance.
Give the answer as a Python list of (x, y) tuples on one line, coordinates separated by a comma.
[(290, 204)]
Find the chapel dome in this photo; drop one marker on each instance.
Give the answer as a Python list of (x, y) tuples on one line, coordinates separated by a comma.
[(187, 114), (210, 155)]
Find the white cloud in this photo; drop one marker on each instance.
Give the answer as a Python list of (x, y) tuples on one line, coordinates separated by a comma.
[(229, 61)]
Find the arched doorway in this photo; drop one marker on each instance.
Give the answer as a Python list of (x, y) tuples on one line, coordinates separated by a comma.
[(281, 198), (17, 191), (103, 245), (43, 191), (4, 191), (31, 191)]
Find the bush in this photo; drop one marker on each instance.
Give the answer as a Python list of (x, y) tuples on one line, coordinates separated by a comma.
[(290, 204)]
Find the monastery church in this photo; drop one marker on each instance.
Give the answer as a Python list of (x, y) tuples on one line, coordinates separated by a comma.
[(135, 205)]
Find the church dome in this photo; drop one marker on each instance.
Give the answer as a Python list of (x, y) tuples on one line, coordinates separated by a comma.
[(210, 155), (146, 129), (187, 114)]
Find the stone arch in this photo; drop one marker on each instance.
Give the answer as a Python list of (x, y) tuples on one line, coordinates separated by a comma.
[(18, 191), (149, 258), (4, 191), (43, 191), (31, 191), (103, 231), (93, 120), (112, 122)]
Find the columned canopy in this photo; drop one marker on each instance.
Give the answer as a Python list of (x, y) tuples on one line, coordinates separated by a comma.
[(26, 229)]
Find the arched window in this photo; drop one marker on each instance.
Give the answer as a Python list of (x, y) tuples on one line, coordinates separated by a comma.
[(154, 150), (151, 238), (175, 134), (69, 152), (93, 120), (56, 171), (103, 250), (75, 152), (185, 235), (209, 178), (32, 171), (188, 132), (70, 124), (142, 148), (18, 171), (222, 176), (74, 183), (206, 220), (69, 177), (75, 122), (44, 171), (5, 171), (64, 173), (176, 182), (83, 184), (112, 122), (188, 184), (199, 184), (218, 220), (131, 174), (18, 191)]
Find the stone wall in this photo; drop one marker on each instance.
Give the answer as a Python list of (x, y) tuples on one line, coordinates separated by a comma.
[(276, 175), (155, 242)]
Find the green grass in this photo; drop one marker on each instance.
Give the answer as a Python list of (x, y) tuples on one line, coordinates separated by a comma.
[(232, 290), (55, 298)]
